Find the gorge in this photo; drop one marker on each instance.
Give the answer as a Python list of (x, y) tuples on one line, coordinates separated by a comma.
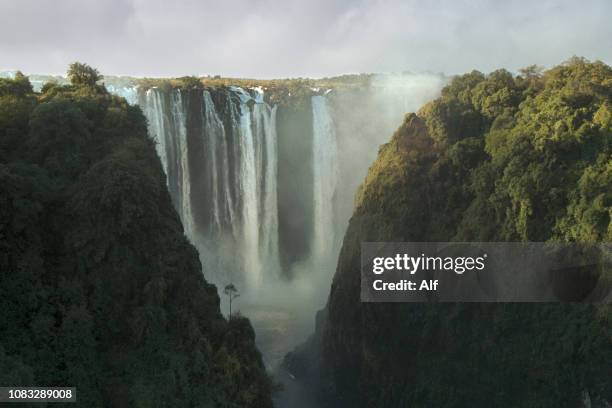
[(276, 183), (264, 181), (306, 204)]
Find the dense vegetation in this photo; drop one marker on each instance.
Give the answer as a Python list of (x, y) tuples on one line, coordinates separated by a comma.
[(496, 158), (99, 288)]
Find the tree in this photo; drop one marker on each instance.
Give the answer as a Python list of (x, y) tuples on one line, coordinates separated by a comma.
[(191, 82), (232, 293), (531, 71), (19, 86), (83, 75)]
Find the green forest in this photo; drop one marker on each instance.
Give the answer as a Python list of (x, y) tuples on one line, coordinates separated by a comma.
[(497, 157), (99, 288)]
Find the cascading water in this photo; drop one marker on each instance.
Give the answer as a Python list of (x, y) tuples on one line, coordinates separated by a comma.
[(269, 187), (219, 154), (130, 93), (249, 182), (167, 126), (238, 190), (218, 158), (325, 180), (183, 183), (155, 111)]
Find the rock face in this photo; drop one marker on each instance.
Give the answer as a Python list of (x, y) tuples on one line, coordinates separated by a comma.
[(495, 158), (99, 287)]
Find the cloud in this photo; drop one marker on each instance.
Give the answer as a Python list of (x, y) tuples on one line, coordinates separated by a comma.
[(265, 39)]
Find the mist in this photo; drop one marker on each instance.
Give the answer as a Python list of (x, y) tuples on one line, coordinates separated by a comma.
[(365, 119)]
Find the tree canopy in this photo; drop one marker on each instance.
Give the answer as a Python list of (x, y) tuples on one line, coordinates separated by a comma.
[(99, 288), (82, 74), (496, 157)]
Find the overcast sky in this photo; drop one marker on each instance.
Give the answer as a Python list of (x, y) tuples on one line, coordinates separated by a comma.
[(289, 38)]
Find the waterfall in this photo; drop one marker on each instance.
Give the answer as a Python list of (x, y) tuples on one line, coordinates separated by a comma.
[(167, 126), (130, 93), (270, 195), (219, 159), (183, 183), (325, 180), (214, 135), (256, 125), (249, 181), (218, 149), (155, 111)]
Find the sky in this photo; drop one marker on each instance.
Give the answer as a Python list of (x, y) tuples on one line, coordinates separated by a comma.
[(291, 38)]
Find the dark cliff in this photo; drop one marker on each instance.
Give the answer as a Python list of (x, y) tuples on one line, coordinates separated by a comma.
[(496, 158), (99, 288)]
